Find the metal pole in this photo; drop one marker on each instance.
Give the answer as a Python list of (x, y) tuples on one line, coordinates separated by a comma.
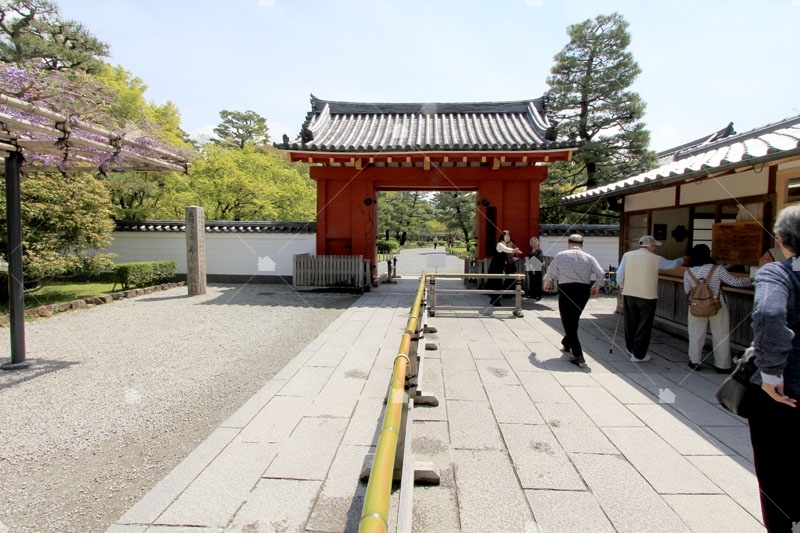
[(15, 281), (375, 513), (432, 297)]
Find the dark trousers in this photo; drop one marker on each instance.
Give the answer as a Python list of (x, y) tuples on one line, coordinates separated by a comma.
[(775, 436), (572, 298), (508, 284), (639, 315), (535, 283)]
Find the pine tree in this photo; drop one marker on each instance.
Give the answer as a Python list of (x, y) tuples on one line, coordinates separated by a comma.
[(456, 210), (238, 128), (590, 97), (33, 30)]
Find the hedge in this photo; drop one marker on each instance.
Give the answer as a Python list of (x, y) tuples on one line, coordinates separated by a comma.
[(386, 246), (143, 274)]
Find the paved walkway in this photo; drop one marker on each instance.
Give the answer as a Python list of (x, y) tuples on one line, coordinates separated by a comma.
[(524, 440)]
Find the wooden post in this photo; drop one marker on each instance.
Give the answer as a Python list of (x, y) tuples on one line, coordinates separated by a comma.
[(195, 250)]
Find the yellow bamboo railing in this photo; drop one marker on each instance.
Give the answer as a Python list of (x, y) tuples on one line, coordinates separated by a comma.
[(375, 515)]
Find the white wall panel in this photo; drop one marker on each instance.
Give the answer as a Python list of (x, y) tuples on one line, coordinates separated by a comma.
[(226, 253), (739, 185), (650, 200), (604, 249)]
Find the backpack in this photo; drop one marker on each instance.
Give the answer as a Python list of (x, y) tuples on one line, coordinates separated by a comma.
[(702, 301)]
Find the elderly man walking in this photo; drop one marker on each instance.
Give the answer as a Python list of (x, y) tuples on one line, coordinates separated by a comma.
[(573, 269), (637, 278)]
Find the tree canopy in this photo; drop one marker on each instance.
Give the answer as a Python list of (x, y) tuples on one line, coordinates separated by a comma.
[(456, 210), (241, 127), (34, 30), (403, 211), (254, 183), (62, 216), (590, 98)]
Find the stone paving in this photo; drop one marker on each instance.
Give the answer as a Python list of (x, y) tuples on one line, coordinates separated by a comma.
[(524, 440)]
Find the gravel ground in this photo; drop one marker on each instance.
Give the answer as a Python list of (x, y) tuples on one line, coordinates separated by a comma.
[(119, 394)]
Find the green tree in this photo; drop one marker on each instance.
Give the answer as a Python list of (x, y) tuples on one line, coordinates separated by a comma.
[(403, 211), (64, 216), (137, 195), (34, 30), (55, 238), (239, 128), (456, 210), (590, 97), (250, 184)]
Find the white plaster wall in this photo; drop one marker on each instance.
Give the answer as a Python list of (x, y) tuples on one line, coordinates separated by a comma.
[(604, 249), (226, 253), (650, 200), (739, 185), (787, 166)]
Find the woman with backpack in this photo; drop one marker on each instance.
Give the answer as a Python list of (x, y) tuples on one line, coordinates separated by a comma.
[(702, 269)]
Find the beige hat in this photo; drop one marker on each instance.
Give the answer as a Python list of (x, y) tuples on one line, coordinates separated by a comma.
[(648, 240)]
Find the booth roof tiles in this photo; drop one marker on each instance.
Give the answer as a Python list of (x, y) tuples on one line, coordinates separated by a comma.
[(722, 152), (218, 226), (587, 230), (407, 127)]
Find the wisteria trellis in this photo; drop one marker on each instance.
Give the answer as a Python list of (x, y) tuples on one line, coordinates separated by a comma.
[(46, 126)]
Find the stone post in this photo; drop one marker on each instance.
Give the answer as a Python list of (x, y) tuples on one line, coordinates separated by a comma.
[(195, 250)]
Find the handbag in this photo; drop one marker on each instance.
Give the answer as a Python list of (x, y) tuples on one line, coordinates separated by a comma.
[(733, 389)]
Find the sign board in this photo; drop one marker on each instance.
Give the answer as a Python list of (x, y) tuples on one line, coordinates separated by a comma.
[(737, 243)]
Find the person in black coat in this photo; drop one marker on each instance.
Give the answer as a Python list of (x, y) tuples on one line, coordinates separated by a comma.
[(503, 262), (534, 270)]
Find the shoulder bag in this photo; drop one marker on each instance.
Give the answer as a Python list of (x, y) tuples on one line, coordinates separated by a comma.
[(733, 389)]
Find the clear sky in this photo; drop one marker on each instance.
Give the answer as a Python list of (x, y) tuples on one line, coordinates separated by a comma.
[(704, 63)]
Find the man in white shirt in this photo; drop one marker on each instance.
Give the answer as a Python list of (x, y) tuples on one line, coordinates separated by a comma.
[(573, 269), (637, 278)]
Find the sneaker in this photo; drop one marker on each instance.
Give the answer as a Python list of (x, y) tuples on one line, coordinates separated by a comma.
[(637, 360), (694, 366)]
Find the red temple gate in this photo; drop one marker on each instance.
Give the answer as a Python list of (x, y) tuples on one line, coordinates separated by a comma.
[(498, 149)]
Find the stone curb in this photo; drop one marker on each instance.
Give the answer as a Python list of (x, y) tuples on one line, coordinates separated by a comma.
[(45, 311)]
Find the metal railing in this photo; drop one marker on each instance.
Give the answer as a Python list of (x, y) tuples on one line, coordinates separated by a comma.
[(375, 514), (517, 292)]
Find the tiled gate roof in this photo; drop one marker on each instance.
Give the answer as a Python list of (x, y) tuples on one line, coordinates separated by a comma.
[(403, 127)]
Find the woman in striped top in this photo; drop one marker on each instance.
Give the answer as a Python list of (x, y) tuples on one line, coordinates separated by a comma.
[(700, 263)]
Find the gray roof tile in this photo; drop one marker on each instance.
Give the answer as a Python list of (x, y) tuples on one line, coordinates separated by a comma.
[(404, 127), (587, 230), (708, 156)]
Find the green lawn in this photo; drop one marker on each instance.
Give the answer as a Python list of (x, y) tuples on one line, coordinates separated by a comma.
[(58, 292)]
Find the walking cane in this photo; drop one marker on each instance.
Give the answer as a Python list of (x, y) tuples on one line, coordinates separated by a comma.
[(611, 349)]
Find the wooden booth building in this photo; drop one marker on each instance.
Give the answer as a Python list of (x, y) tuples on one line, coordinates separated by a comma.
[(723, 190), (500, 150)]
